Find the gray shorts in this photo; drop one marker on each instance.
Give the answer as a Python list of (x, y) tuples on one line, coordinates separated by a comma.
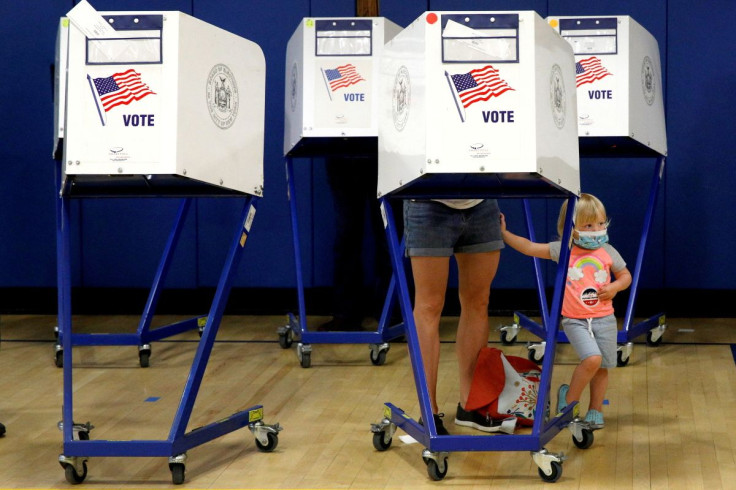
[(601, 343), (432, 229)]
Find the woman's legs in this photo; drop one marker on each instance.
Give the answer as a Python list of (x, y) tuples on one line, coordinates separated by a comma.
[(475, 274), (430, 285)]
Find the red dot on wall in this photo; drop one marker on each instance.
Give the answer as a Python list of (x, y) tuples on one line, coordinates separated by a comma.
[(431, 18)]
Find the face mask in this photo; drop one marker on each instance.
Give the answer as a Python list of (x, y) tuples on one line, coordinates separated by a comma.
[(591, 240)]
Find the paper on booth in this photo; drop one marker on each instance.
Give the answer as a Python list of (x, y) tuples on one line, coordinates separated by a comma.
[(485, 45), (92, 24)]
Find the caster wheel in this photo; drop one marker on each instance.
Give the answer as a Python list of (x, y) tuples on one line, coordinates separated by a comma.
[(72, 476), (555, 475), (380, 442), (434, 471), (380, 358), (177, 473), (506, 339), (59, 358), (144, 357), (83, 435), (586, 441), (651, 342), (620, 361), (532, 355), (285, 339), (273, 441)]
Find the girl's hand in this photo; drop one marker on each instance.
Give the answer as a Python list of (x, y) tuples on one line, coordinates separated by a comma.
[(503, 222), (607, 293)]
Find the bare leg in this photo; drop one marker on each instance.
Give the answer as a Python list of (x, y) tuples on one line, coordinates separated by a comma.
[(598, 386), (430, 285), (582, 375), (475, 274)]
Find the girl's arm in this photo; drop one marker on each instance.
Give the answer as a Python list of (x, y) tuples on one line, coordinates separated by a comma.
[(524, 245), (623, 281)]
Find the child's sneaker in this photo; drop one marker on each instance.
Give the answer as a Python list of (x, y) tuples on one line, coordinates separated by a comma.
[(482, 422), (562, 398), (441, 431), (594, 418)]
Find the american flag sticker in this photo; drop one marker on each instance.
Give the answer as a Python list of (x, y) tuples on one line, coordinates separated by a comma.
[(342, 76), (118, 89), (589, 70), (475, 86)]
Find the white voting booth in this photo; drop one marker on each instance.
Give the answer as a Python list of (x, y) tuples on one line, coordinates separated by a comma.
[(331, 83), (331, 106), (619, 82), (620, 114), (478, 94), (156, 104), (166, 95), (477, 104)]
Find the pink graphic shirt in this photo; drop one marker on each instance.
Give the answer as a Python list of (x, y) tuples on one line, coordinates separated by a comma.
[(588, 270)]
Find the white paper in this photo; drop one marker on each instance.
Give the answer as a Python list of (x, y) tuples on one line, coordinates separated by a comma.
[(86, 19), (407, 439)]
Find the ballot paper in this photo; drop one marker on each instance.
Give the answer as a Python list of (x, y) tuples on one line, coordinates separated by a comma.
[(89, 21)]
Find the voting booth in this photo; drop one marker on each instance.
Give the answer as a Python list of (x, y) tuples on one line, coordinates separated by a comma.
[(168, 98), (478, 94), (331, 105), (482, 105), (331, 84), (156, 104), (618, 76)]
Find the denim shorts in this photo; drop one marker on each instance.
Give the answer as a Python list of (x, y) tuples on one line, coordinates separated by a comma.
[(602, 342), (432, 229)]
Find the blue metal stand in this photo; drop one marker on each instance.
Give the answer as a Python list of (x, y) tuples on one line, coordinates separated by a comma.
[(143, 335), (438, 447), (653, 326), (77, 446), (297, 330)]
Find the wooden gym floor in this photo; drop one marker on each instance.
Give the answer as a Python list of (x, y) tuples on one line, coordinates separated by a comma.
[(670, 421)]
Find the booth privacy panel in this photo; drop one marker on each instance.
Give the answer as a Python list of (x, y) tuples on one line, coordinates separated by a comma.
[(169, 95), (478, 94)]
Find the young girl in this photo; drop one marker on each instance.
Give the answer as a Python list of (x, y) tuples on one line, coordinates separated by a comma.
[(587, 308)]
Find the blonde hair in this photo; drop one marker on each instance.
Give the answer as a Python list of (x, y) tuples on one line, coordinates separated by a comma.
[(587, 210)]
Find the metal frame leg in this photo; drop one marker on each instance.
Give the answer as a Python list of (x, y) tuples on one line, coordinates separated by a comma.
[(543, 429), (178, 441)]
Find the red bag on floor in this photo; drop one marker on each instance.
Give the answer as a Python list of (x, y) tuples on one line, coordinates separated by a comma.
[(504, 386)]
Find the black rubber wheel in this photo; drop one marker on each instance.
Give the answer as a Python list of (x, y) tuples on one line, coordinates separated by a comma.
[(620, 361), (273, 442), (505, 340), (59, 359), (653, 343), (2, 430), (532, 355), (83, 435), (433, 470), (144, 357), (177, 473), (72, 476), (285, 339), (586, 441), (556, 473), (379, 441), (306, 359), (380, 358)]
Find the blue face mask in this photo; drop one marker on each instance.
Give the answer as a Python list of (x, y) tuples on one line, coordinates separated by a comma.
[(591, 240)]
